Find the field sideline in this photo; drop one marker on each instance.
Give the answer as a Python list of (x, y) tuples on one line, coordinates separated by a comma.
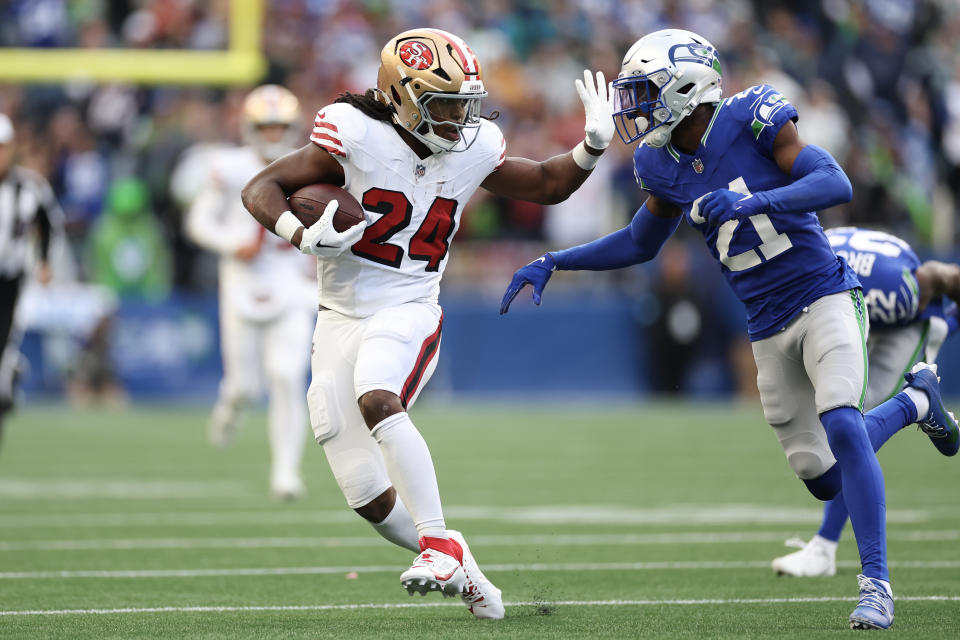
[(653, 519)]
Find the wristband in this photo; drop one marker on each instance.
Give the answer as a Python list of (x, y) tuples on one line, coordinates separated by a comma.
[(584, 159), (286, 225)]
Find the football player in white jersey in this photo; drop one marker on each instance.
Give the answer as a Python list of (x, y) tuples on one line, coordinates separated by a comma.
[(412, 151), (265, 328)]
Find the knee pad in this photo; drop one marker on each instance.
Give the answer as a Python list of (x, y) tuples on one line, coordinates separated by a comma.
[(360, 475), (323, 403), (806, 449)]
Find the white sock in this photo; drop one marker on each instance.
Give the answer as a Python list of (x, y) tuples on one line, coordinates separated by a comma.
[(398, 528), (920, 400), (410, 469), (829, 545), (886, 585)]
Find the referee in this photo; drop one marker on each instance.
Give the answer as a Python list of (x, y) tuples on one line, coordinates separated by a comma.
[(28, 214)]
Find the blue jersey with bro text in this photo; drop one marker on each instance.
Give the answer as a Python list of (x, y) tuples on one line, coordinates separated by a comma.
[(776, 263), (886, 267)]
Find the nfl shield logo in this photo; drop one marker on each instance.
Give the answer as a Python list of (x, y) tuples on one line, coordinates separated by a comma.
[(420, 170), (698, 165)]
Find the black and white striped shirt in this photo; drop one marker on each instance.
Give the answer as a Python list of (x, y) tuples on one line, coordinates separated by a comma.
[(27, 206)]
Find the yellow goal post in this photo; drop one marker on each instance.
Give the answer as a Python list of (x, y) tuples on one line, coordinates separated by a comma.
[(242, 62)]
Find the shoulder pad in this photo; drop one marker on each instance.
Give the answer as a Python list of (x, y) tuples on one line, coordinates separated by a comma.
[(338, 128)]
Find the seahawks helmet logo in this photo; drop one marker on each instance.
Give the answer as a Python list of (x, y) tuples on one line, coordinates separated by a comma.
[(696, 53)]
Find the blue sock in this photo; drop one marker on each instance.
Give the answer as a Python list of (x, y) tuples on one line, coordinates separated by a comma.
[(834, 517), (863, 489), (881, 422), (886, 419)]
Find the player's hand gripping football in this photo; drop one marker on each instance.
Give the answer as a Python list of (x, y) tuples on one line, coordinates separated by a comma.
[(721, 205), (597, 101), (536, 274), (322, 240)]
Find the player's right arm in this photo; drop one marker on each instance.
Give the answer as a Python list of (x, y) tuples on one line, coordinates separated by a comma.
[(265, 196), (937, 279), (639, 241)]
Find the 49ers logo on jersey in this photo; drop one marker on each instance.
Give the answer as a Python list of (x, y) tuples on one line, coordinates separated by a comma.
[(416, 55)]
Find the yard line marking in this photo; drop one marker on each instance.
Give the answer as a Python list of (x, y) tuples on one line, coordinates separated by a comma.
[(685, 514), (118, 488), (539, 566), (563, 540), (434, 605)]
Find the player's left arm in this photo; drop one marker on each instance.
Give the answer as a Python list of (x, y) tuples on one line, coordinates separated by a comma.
[(50, 222), (818, 183), (938, 279), (553, 180)]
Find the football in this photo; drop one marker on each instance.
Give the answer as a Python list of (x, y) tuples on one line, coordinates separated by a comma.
[(309, 202)]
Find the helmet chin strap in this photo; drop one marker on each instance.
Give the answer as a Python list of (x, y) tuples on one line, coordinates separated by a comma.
[(658, 137)]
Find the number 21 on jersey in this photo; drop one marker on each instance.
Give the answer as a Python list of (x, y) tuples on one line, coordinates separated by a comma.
[(771, 243)]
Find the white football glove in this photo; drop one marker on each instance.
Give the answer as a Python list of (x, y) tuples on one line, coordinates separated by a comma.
[(323, 241), (598, 106)]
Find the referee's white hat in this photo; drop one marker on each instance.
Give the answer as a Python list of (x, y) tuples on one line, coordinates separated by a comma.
[(6, 129)]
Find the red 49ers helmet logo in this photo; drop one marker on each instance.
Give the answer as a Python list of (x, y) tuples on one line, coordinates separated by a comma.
[(416, 55)]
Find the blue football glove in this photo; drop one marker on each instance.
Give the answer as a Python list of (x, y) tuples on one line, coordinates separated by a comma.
[(721, 205), (536, 274)]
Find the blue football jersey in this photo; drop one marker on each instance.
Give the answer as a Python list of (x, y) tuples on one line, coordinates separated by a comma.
[(775, 263), (886, 267)]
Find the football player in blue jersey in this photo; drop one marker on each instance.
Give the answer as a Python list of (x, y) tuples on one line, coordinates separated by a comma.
[(912, 309), (739, 173)]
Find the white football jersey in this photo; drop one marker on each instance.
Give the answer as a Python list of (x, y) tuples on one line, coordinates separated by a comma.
[(278, 276), (413, 209)]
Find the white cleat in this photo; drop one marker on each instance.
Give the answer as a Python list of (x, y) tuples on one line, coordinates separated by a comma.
[(481, 597), (816, 558), (434, 571)]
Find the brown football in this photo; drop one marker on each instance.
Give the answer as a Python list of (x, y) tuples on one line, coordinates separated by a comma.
[(309, 202)]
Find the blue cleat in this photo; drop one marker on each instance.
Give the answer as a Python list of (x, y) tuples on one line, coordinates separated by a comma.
[(939, 425), (875, 608)]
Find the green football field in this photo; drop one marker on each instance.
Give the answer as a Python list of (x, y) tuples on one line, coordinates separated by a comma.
[(640, 520)]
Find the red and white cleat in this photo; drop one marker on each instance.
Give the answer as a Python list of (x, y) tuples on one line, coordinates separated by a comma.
[(481, 597), (438, 568)]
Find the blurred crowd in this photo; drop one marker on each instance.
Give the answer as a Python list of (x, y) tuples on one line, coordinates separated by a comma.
[(876, 82)]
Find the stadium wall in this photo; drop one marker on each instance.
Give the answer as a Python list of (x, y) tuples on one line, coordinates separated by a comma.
[(574, 346)]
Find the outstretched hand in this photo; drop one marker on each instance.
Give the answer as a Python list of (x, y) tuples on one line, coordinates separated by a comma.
[(723, 204), (598, 107), (536, 274)]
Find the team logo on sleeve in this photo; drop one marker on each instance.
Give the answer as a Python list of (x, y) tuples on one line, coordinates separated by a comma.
[(416, 55), (764, 109)]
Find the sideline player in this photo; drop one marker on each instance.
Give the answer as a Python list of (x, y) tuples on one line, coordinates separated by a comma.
[(412, 151), (264, 327), (29, 215), (912, 309), (738, 171)]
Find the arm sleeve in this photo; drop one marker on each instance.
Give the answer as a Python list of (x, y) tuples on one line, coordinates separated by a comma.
[(818, 183), (637, 242), (204, 226)]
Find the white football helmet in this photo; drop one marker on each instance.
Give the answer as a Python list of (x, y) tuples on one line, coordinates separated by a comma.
[(269, 105), (663, 78)]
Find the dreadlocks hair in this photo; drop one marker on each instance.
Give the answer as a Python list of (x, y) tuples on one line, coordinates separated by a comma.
[(368, 104)]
